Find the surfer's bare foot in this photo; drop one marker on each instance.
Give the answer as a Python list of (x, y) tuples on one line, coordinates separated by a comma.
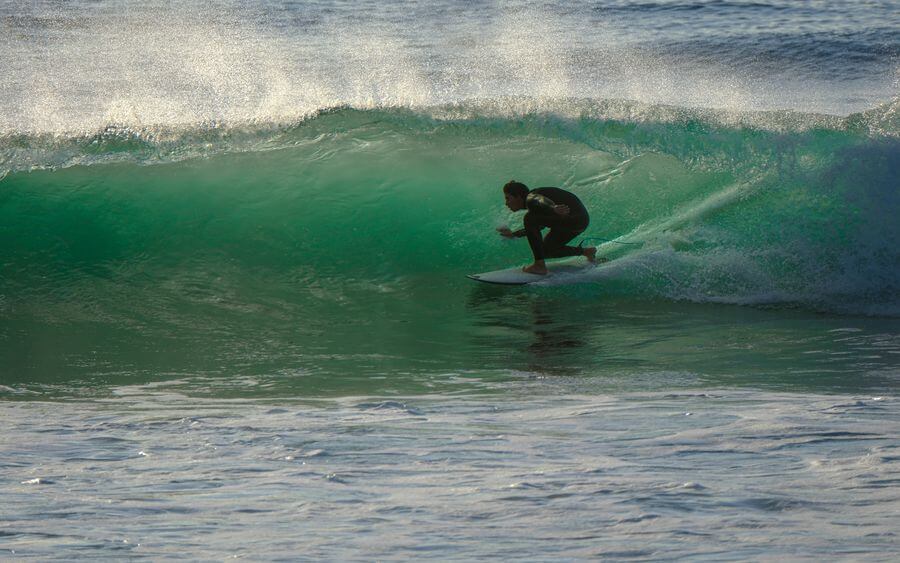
[(539, 269)]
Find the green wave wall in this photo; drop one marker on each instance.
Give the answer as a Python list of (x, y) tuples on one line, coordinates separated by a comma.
[(151, 230)]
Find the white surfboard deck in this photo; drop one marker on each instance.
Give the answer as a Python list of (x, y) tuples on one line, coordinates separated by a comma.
[(515, 275)]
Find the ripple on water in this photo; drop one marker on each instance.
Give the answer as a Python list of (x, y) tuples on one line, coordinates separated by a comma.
[(586, 477)]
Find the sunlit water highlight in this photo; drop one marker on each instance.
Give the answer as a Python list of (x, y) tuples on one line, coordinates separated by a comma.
[(723, 474)]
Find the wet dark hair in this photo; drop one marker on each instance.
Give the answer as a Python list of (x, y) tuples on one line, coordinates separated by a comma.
[(517, 189)]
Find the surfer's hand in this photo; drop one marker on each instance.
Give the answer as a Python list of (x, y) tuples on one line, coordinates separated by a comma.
[(505, 232), (561, 210)]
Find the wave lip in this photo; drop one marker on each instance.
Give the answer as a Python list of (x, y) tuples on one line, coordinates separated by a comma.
[(143, 144)]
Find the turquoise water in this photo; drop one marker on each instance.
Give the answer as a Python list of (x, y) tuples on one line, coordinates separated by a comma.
[(234, 317), (350, 236)]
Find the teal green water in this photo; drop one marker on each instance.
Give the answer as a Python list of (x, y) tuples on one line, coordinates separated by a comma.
[(331, 255), (234, 314)]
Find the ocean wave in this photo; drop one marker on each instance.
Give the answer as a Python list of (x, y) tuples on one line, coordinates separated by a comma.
[(773, 208)]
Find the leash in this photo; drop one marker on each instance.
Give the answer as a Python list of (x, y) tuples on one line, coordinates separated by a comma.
[(607, 240)]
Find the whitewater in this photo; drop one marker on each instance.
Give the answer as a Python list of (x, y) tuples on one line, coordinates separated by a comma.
[(234, 313)]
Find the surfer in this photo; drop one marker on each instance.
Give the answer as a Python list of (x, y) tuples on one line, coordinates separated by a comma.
[(555, 208)]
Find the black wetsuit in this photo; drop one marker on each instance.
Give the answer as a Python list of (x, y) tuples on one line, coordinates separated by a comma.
[(563, 228)]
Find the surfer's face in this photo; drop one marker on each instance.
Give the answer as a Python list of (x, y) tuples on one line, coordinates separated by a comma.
[(514, 203)]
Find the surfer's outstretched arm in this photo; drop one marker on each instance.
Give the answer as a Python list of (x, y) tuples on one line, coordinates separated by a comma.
[(511, 234)]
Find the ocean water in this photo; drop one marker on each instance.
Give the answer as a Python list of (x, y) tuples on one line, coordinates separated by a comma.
[(235, 322)]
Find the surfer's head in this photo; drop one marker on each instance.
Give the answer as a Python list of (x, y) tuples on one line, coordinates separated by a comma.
[(515, 194)]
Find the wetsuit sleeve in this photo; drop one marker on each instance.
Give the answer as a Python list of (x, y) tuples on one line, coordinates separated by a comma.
[(539, 203)]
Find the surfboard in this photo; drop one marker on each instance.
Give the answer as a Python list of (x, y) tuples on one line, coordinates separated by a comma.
[(515, 275)]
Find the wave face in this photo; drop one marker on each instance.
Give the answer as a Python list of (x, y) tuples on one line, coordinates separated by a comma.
[(283, 187), (800, 212)]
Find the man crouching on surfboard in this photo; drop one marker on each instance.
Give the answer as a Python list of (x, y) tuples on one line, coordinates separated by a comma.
[(555, 208)]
